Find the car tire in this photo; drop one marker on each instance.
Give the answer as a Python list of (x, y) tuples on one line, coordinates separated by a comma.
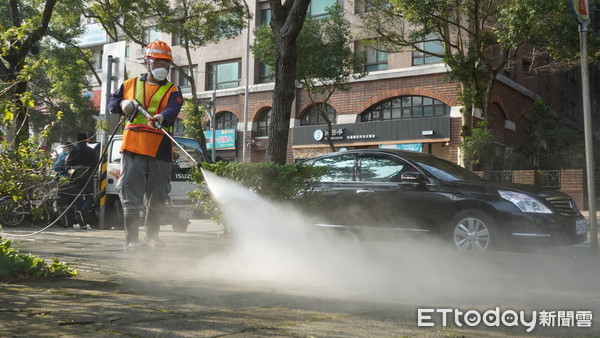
[(473, 230), (180, 227), (94, 220), (227, 233)]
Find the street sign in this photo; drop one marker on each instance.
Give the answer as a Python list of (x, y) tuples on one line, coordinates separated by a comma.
[(117, 51), (582, 10)]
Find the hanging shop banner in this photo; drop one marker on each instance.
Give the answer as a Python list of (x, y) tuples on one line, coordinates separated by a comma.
[(224, 139)]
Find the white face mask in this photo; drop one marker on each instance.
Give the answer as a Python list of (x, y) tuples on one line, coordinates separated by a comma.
[(160, 73)]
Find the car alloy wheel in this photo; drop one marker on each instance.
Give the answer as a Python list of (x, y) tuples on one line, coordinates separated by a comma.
[(472, 231)]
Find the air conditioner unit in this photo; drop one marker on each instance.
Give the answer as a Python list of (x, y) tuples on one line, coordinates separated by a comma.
[(510, 125)]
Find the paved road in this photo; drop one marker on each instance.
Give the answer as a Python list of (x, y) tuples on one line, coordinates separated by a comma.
[(204, 285)]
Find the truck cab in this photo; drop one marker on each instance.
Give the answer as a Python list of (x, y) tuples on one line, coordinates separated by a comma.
[(177, 212)]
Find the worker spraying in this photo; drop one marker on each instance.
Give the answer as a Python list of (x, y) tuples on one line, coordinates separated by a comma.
[(147, 148)]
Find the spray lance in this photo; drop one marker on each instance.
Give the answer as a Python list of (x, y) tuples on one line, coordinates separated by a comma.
[(139, 108)]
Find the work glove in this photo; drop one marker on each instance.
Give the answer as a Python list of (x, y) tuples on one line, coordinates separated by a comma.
[(127, 107), (158, 118)]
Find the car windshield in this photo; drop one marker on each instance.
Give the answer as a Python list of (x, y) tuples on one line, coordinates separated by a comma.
[(442, 169), (192, 147)]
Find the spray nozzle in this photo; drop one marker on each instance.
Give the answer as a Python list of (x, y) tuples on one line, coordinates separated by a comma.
[(133, 115)]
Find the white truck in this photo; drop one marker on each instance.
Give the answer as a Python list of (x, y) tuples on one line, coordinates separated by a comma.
[(177, 212)]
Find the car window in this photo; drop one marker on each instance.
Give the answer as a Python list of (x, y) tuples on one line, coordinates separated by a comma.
[(341, 168), (115, 151), (381, 169), (446, 170), (180, 159)]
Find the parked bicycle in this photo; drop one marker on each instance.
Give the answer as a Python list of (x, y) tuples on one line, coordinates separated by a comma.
[(40, 204)]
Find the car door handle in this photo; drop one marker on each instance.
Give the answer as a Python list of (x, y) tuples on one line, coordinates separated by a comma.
[(364, 191)]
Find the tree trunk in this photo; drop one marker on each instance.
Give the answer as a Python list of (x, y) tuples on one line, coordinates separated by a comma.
[(20, 127), (286, 21), (466, 127), (13, 62), (488, 167), (488, 163), (283, 99), (200, 137)]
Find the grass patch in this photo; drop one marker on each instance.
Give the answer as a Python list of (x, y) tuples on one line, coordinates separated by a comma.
[(16, 266)]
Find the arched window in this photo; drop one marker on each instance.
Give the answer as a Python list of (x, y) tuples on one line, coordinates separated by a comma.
[(264, 121), (313, 118), (406, 107), (227, 120)]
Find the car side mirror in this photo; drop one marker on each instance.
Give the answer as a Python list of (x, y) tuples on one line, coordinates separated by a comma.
[(412, 176)]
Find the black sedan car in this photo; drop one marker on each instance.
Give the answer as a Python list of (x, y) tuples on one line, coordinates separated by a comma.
[(404, 190)]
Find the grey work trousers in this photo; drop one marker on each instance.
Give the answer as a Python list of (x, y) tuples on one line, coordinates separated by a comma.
[(144, 184)]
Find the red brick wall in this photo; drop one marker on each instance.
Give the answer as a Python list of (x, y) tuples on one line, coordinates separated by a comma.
[(361, 97), (572, 182), (364, 95), (455, 139), (524, 176), (507, 104)]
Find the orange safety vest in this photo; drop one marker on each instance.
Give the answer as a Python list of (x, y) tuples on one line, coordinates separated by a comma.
[(138, 137)]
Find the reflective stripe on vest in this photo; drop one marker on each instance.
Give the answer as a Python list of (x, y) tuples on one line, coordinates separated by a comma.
[(140, 121)]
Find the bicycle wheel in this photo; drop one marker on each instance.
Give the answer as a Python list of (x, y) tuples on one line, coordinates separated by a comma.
[(12, 214)]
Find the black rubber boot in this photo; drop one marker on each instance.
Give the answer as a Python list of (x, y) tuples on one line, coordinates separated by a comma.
[(132, 226), (152, 224)]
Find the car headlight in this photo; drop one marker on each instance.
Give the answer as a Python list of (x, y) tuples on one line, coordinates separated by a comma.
[(524, 202)]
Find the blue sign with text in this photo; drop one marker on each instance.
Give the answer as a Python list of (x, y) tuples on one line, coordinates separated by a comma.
[(224, 139)]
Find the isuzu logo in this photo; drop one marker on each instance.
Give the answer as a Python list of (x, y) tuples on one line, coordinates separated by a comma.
[(183, 176)]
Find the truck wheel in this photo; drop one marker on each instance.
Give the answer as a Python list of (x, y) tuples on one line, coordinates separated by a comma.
[(114, 215), (180, 227), (93, 218), (119, 218)]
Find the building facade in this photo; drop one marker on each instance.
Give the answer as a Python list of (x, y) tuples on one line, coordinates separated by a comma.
[(403, 102)]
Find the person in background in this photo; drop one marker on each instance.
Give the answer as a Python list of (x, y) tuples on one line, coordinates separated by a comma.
[(82, 158), (66, 192), (60, 164), (145, 184)]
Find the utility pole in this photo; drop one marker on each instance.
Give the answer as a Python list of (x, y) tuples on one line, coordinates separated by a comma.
[(213, 117), (114, 68), (581, 8), (102, 175), (246, 91)]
